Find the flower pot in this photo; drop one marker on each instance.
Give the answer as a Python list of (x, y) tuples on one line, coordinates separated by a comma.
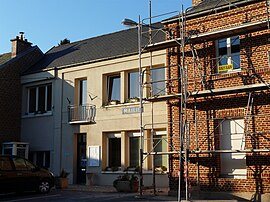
[(61, 183), (126, 186)]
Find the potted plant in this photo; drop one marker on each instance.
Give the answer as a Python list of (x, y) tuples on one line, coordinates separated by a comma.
[(133, 99), (61, 181), (126, 183), (114, 102)]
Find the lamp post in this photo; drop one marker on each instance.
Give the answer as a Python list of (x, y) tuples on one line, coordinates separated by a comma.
[(131, 23)]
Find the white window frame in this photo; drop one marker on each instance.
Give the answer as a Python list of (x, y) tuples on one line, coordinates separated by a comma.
[(111, 135), (130, 135), (82, 98), (132, 84), (108, 87), (36, 100), (162, 133), (157, 81), (229, 54)]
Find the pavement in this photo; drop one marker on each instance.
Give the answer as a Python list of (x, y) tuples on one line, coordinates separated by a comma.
[(148, 194)]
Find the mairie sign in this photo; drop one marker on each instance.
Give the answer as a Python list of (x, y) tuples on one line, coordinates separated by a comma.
[(224, 68), (131, 110)]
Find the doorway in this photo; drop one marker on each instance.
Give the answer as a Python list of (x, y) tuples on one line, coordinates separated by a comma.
[(232, 137), (81, 158)]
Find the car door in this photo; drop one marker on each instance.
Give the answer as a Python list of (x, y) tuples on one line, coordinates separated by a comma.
[(27, 178), (7, 174)]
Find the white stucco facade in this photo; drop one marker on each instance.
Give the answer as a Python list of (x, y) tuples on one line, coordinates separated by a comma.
[(51, 131)]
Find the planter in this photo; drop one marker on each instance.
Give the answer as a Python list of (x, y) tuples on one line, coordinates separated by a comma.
[(131, 100), (61, 183), (114, 102), (126, 186)]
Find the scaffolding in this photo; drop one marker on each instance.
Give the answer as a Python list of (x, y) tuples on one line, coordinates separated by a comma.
[(195, 89)]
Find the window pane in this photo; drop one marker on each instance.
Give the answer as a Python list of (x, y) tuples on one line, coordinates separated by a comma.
[(114, 152), (133, 85), (160, 146), (222, 51), (236, 61), (113, 88), (49, 97), (235, 40), (222, 43), (134, 148), (229, 51), (32, 100), (19, 164), (158, 81), (47, 159), (83, 92), (41, 98), (223, 61), (29, 165)]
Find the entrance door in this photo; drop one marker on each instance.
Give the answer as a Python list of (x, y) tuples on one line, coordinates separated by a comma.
[(233, 165), (81, 159)]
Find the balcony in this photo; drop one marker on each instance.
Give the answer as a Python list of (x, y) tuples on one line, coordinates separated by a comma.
[(81, 114)]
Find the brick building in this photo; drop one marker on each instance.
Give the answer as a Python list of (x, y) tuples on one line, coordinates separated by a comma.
[(218, 97), (12, 65)]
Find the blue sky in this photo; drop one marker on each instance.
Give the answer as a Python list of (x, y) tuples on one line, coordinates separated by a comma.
[(46, 22)]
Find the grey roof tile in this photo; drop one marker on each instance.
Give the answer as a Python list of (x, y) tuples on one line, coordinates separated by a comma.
[(103, 47)]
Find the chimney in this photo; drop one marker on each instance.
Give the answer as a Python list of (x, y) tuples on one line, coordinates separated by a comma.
[(19, 44), (196, 2)]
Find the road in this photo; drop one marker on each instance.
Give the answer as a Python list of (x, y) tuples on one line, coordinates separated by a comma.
[(67, 196)]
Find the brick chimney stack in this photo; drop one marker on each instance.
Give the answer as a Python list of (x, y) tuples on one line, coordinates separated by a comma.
[(19, 44), (196, 2)]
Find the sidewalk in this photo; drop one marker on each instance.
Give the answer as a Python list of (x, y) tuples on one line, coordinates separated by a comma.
[(161, 193)]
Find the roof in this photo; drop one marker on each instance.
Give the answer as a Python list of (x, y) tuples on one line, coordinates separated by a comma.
[(207, 7), (212, 4), (109, 46), (4, 58)]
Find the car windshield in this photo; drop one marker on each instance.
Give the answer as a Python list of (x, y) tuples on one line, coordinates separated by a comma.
[(22, 164)]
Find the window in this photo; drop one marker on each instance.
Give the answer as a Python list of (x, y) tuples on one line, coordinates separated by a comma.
[(160, 145), (20, 164), (158, 81), (40, 158), (83, 92), (40, 99), (114, 150), (133, 85), (134, 149), (228, 54), (113, 88)]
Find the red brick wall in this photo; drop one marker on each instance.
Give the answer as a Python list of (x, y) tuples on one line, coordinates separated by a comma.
[(212, 109), (10, 93)]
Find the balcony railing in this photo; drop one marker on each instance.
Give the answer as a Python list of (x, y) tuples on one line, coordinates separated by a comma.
[(80, 114)]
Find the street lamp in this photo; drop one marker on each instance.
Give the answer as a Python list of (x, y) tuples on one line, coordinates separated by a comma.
[(131, 23)]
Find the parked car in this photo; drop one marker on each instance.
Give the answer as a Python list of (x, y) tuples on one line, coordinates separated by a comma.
[(19, 174)]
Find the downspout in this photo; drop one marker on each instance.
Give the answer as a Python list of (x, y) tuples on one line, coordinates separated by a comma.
[(61, 127)]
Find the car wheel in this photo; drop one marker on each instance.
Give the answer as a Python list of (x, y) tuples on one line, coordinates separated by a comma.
[(44, 186)]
